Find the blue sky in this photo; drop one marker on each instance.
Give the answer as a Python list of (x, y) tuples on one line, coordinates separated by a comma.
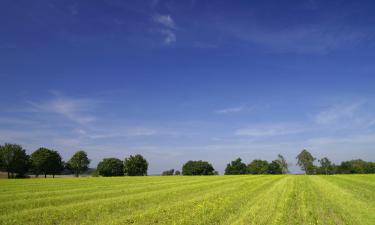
[(180, 80)]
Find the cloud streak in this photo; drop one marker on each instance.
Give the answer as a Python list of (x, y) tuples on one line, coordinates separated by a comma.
[(268, 130), (75, 110), (168, 28), (230, 110), (337, 113)]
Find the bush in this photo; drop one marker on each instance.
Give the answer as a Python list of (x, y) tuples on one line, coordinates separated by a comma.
[(168, 172)]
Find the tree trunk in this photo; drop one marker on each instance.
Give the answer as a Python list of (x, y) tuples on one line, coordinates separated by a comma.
[(8, 175), (53, 175), (45, 175)]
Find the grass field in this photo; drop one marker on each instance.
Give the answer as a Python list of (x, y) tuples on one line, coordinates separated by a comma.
[(279, 199)]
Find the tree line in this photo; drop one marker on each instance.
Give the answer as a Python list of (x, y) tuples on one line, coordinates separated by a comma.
[(306, 161), (17, 163)]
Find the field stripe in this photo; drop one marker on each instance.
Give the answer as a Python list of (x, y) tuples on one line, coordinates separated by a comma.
[(115, 203), (210, 208)]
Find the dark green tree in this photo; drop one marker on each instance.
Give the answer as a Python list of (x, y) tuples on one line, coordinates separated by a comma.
[(236, 167), (306, 162), (258, 166), (177, 173), (326, 166), (46, 161), (197, 168), (168, 172), (79, 163), (14, 160), (283, 164), (135, 165), (111, 167), (354, 166), (274, 168)]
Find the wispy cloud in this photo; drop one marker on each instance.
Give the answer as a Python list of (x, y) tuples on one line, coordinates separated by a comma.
[(168, 28), (269, 130), (165, 20), (169, 36), (128, 132), (74, 109), (230, 110), (337, 113)]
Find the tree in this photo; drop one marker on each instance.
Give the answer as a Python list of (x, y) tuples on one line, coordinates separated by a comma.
[(258, 166), (1, 158), (354, 166), (14, 160), (79, 162), (177, 173), (135, 166), (168, 172), (236, 167), (306, 162), (46, 161), (326, 166), (197, 168), (274, 168), (283, 164), (111, 167)]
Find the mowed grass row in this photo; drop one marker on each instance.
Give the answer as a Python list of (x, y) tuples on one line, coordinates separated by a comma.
[(247, 199)]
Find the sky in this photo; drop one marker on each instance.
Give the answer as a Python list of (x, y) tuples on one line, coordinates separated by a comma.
[(189, 80)]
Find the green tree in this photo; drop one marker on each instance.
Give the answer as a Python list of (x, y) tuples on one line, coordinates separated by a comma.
[(283, 164), (168, 172), (46, 161), (197, 168), (354, 166), (111, 167), (177, 173), (306, 162), (258, 166), (274, 168), (236, 167), (14, 160), (135, 165), (79, 162), (326, 166)]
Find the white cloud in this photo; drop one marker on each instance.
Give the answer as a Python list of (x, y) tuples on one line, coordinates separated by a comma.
[(169, 26), (165, 20), (230, 110), (169, 36), (337, 113), (75, 110), (129, 132), (269, 130)]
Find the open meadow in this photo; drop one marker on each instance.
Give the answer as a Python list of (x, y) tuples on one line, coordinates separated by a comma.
[(247, 199)]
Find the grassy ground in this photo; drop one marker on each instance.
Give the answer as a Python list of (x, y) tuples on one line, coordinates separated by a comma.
[(290, 199)]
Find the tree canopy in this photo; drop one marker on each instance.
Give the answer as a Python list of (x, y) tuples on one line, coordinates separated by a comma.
[(46, 161), (135, 165), (79, 162), (109, 167), (274, 168), (258, 166), (283, 164), (197, 168), (306, 162), (236, 167), (14, 160), (326, 166)]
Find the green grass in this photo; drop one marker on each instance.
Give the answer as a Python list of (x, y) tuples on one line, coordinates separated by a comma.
[(279, 199)]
